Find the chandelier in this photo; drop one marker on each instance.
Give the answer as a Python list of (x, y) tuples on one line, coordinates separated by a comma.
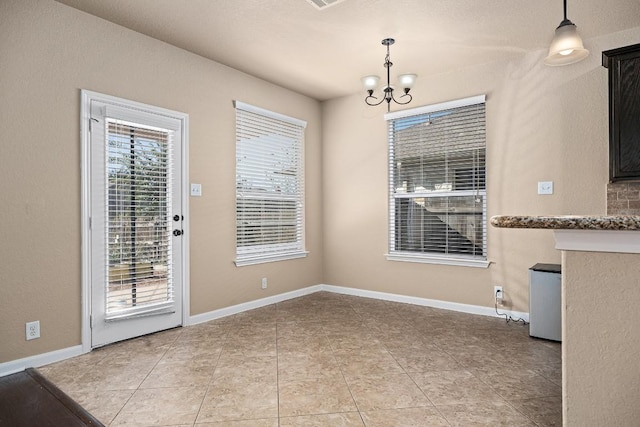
[(370, 83)]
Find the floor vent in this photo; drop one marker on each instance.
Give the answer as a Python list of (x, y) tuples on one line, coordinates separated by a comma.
[(323, 4)]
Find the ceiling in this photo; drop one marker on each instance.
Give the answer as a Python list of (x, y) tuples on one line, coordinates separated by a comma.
[(323, 53)]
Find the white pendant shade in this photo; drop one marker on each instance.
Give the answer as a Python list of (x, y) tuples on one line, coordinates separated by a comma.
[(407, 80), (566, 47), (370, 82)]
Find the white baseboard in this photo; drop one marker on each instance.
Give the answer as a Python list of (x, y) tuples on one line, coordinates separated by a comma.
[(239, 308), (445, 305), (19, 365), (65, 353)]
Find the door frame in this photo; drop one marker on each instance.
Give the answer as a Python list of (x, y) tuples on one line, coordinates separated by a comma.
[(85, 158)]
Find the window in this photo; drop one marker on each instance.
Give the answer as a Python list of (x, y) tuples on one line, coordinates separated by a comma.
[(269, 186), (437, 191)]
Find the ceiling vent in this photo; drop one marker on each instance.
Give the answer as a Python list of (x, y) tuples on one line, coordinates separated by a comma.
[(323, 4)]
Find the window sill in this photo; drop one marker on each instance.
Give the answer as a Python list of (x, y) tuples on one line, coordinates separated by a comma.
[(435, 259), (242, 261)]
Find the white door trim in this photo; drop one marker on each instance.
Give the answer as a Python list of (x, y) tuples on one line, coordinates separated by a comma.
[(85, 123)]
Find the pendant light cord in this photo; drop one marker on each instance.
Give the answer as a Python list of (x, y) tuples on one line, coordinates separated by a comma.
[(566, 21)]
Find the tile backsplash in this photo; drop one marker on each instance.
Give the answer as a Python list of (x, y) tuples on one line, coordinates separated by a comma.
[(623, 198)]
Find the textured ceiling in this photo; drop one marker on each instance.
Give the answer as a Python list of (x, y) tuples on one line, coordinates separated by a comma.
[(323, 53)]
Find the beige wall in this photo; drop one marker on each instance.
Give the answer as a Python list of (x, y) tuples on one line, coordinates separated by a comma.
[(48, 52), (600, 351), (543, 124)]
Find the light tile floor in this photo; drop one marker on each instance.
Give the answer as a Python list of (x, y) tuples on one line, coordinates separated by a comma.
[(324, 360)]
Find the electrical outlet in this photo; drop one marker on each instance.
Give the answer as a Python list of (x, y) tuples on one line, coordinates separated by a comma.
[(33, 330), (545, 187), (498, 294), (264, 283), (196, 190)]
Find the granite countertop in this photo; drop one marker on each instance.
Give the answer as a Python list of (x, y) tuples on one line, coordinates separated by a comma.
[(568, 222)]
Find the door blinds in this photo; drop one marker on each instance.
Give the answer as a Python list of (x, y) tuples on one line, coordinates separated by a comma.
[(138, 230), (437, 180)]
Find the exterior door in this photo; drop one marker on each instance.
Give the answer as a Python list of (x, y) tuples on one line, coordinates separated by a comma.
[(135, 221)]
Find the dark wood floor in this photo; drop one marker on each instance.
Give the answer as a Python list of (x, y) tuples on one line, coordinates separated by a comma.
[(29, 399)]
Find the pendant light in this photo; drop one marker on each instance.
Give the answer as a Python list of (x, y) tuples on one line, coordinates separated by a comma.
[(566, 47)]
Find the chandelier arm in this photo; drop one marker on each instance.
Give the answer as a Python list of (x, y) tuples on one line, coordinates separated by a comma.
[(402, 103), (375, 103)]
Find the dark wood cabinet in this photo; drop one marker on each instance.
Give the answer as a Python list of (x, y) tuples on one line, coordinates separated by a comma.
[(624, 112)]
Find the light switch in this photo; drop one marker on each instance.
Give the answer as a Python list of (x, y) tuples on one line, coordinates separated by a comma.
[(545, 187), (196, 190)]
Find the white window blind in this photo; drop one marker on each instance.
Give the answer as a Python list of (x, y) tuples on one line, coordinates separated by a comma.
[(269, 186), (138, 230), (437, 183)]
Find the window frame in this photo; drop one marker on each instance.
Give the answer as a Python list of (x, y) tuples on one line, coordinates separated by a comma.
[(270, 251), (432, 257)]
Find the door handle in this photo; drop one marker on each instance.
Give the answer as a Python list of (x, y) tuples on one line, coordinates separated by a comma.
[(177, 232)]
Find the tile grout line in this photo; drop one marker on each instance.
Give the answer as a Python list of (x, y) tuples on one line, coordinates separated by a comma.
[(277, 367), (355, 402), (143, 380), (408, 374), (206, 392)]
